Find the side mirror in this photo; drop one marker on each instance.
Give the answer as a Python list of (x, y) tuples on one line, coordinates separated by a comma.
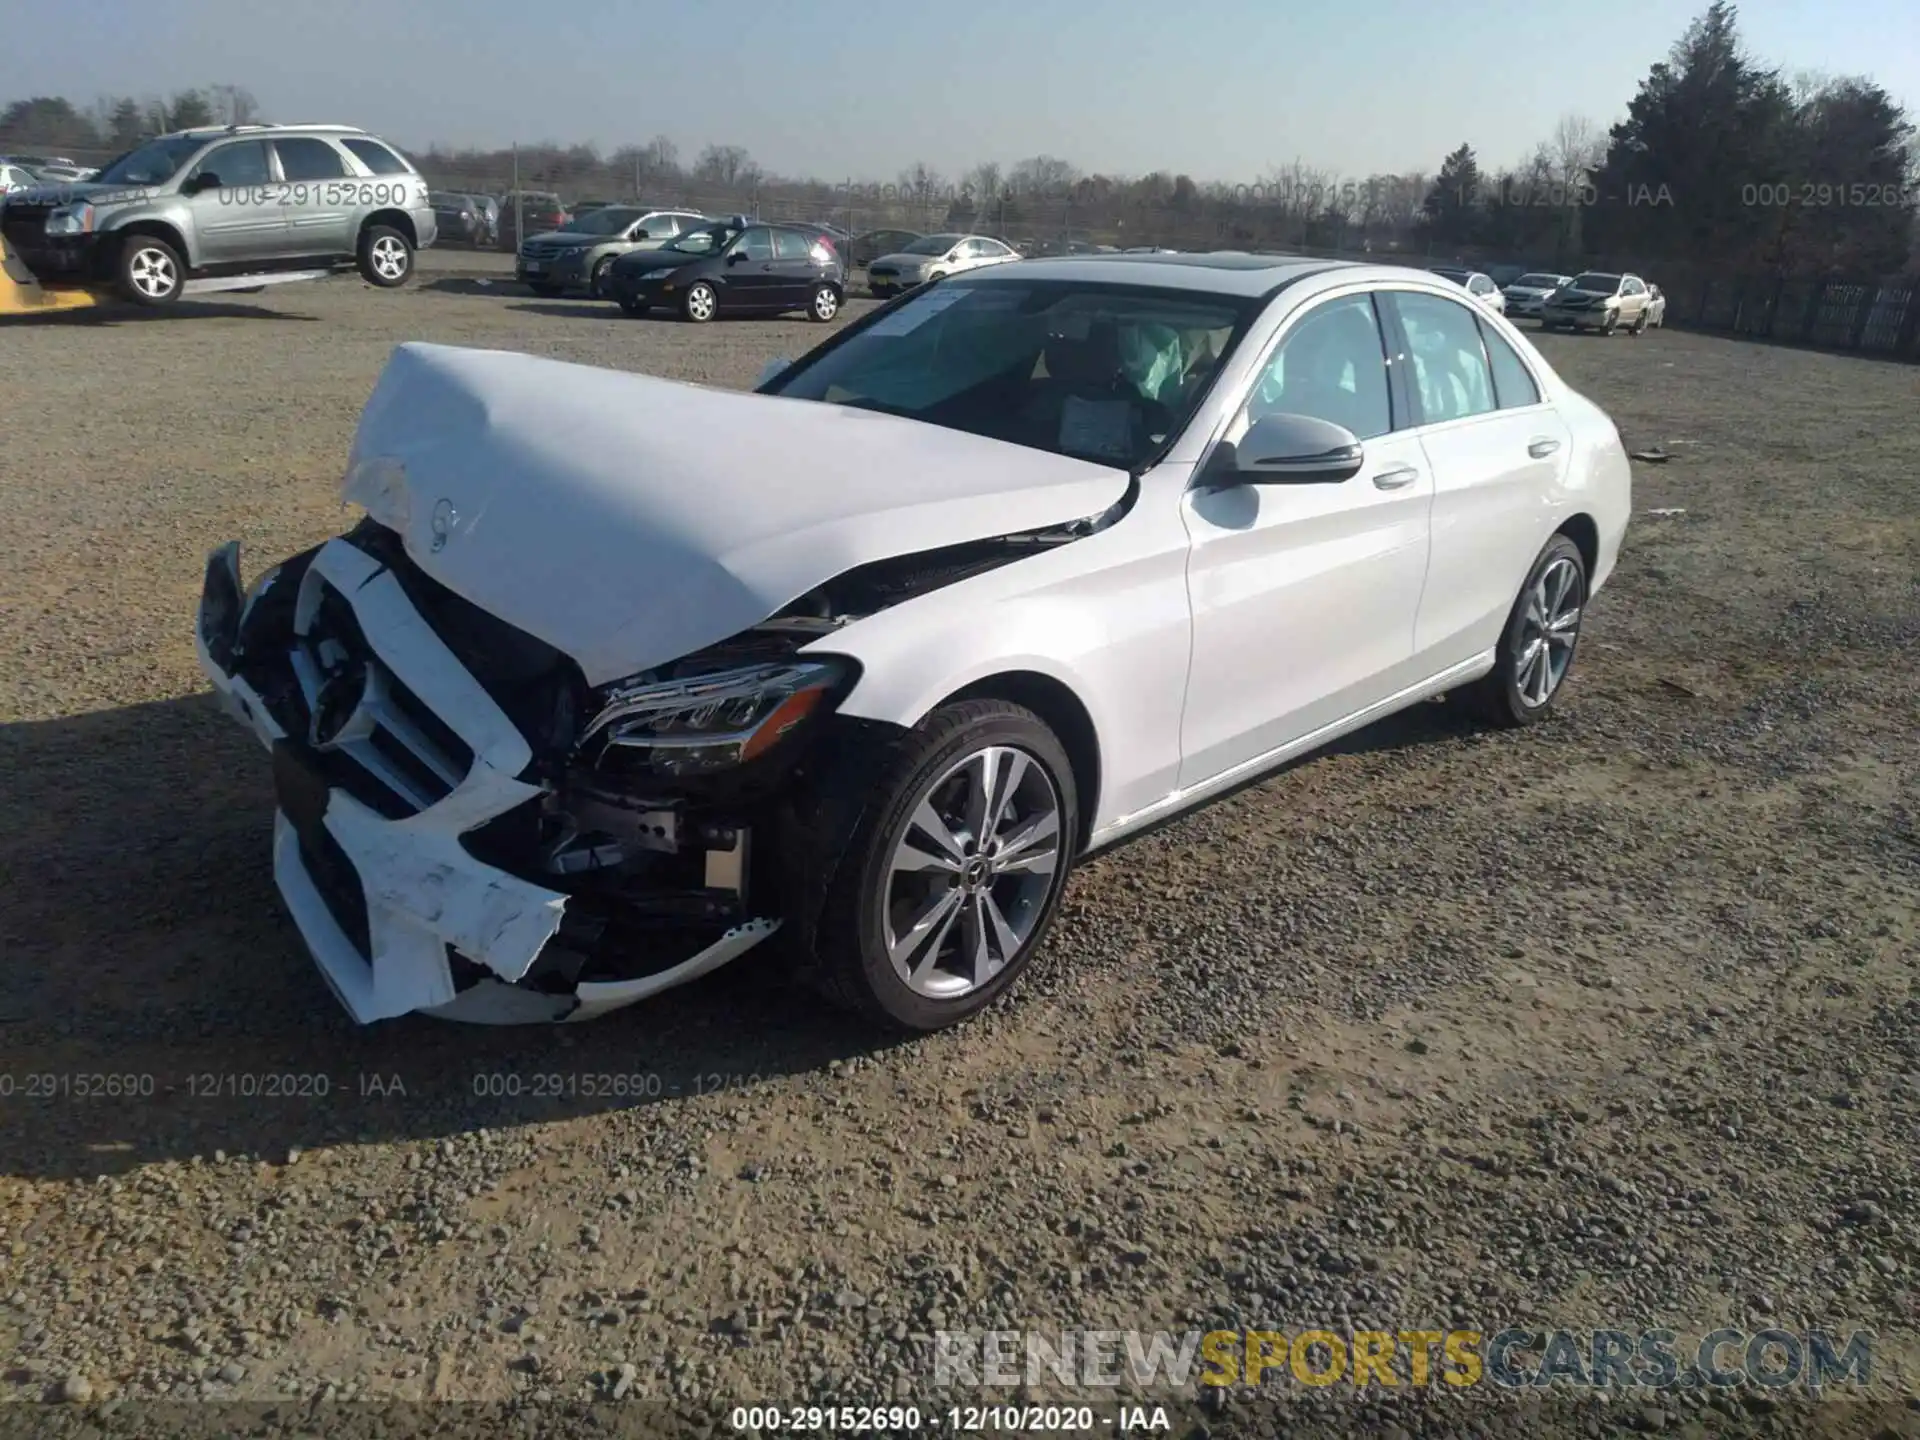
[(736, 257), (771, 370), (1294, 450), (205, 180)]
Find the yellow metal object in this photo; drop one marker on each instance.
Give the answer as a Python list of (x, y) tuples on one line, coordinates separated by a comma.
[(22, 294)]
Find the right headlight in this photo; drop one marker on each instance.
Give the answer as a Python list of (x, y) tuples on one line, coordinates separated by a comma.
[(713, 722), (71, 220)]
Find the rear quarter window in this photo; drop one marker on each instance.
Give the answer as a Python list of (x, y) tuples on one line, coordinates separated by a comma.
[(378, 158)]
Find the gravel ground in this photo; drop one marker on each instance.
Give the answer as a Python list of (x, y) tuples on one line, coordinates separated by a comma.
[(1613, 1022)]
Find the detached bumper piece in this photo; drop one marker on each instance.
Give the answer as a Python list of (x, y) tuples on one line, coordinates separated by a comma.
[(387, 751)]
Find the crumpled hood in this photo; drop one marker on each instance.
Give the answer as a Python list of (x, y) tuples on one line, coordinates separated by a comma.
[(629, 520)]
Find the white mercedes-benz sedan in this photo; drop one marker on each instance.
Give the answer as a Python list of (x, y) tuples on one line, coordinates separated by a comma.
[(618, 676)]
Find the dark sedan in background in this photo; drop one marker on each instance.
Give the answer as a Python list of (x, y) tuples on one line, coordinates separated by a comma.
[(731, 267)]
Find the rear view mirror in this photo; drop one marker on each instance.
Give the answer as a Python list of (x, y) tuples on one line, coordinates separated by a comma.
[(1295, 450)]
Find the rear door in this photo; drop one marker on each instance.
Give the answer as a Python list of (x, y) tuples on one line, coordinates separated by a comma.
[(321, 197), (1304, 596), (1497, 451), (237, 204), (793, 269)]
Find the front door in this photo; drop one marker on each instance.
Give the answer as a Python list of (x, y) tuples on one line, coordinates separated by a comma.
[(1304, 595), (748, 281), (235, 202)]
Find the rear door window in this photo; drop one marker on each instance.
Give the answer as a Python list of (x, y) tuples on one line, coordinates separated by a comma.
[(304, 158)]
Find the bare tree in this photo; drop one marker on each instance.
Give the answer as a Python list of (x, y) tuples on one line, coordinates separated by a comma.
[(661, 157), (984, 181), (728, 165), (233, 104), (1577, 148)]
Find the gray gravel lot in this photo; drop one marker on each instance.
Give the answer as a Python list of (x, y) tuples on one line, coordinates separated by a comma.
[(1614, 1022)]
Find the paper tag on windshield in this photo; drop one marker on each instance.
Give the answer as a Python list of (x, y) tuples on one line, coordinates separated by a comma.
[(912, 316), (1095, 427)]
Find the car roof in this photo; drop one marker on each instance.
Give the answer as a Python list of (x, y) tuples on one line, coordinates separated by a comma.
[(1223, 272)]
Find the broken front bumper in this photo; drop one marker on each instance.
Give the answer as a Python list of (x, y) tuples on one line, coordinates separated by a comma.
[(385, 895)]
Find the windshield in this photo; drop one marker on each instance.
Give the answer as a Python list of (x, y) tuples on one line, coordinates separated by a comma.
[(933, 245), (1599, 284), (1539, 282), (1108, 373), (703, 242), (154, 163), (603, 222)]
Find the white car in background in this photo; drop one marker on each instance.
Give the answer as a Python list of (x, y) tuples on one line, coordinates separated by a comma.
[(1656, 308), (16, 177), (620, 675), (932, 257), (1600, 301), (1525, 295), (1480, 286)]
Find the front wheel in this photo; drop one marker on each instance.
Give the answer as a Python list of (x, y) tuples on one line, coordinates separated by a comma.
[(825, 303), (1639, 324), (150, 271), (597, 282), (1537, 647), (955, 872), (385, 257), (700, 303)]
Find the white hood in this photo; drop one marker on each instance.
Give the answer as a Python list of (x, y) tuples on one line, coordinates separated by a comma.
[(628, 520)]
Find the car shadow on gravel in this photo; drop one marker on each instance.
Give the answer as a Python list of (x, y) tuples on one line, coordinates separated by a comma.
[(156, 1004), (136, 315)]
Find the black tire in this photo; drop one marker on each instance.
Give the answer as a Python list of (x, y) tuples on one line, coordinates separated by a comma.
[(1498, 696), (384, 257), (597, 281), (1610, 324), (693, 308), (148, 271), (1639, 324), (849, 964), (824, 303)]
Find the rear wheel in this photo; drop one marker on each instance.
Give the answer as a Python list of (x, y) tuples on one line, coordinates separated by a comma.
[(150, 271), (953, 876), (1537, 647), (825, 303), (385, 257), (700, 303)]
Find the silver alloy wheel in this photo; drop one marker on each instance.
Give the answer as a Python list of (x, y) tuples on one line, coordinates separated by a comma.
[(969, 879), (152, 273), (1548, 629), (389, 257), (700, 302), (825, 303)]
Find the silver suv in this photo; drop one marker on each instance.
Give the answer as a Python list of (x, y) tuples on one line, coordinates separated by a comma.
[(227, 209), (577, 256)]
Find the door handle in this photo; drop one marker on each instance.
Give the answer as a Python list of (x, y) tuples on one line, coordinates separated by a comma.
[(1543, 447), (1397, 477)]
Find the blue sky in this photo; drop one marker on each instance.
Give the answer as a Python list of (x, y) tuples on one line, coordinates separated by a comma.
[(1221, 89)]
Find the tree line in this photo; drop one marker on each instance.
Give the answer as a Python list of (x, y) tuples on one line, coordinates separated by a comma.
[(1720, 160)]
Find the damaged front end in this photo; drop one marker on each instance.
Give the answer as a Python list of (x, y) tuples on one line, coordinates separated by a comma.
[(464, 827)]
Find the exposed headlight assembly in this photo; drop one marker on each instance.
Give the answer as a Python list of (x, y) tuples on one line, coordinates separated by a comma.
[(713, 722), (71, 220), (378, 485)]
